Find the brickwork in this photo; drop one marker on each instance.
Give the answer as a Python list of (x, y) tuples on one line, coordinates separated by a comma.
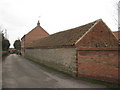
[(100, 65), (100, 36), (93, 54), (35, 34)]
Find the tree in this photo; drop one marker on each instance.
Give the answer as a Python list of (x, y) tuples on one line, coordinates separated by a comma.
[(5, 43), (17, 44)]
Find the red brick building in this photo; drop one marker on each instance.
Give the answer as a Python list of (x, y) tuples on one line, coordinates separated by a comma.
[(37, 33), (88, 51)]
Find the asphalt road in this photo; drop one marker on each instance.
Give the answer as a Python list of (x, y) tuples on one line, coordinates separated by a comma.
[(19, 72)]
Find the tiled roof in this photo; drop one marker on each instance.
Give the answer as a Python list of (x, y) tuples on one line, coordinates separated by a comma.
[(64, 38), (38, 27), (117, 34)]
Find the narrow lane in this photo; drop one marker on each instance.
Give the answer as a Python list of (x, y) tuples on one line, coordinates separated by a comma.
[(19, 72)]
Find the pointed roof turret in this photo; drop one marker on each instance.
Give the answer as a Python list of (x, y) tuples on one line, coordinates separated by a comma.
[(38, 24)]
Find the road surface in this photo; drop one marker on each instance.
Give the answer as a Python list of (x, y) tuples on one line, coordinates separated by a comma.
[(19, 72)]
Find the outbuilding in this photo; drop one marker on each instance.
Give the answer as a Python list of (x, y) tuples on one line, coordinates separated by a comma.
[(36, 33), (88, 51)]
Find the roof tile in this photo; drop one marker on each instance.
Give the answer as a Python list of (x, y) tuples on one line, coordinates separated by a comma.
[(64, 38)]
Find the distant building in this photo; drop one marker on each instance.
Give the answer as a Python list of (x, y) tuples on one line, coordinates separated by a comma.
[(90, 51), (12, 50), (37, 33)]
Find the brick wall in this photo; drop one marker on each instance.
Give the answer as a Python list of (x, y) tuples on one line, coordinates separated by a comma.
[(63, 59), (99, 37), (101, 65), (37, 33), (95, 64)]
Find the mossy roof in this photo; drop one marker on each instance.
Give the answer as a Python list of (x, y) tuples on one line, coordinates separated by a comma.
[(63, 38)]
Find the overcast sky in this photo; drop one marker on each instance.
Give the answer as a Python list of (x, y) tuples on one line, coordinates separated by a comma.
[(21, 16), (119, 14)]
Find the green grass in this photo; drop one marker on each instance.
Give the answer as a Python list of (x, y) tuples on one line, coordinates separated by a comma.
[(107, 84)]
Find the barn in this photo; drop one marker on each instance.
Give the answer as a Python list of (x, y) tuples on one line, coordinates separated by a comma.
[(89, 50)]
